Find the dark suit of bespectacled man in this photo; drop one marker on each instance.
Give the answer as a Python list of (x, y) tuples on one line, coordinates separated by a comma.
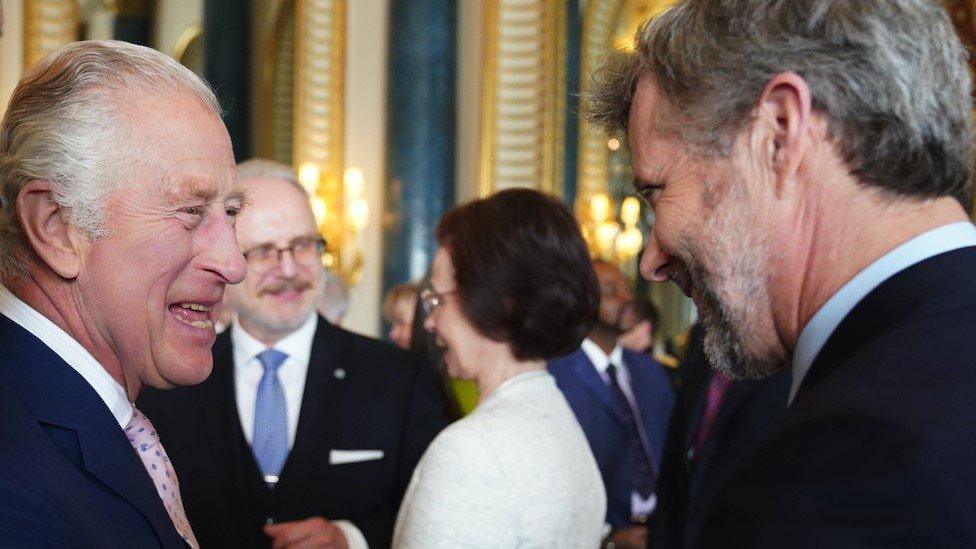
[(809, 165), (305, 432)]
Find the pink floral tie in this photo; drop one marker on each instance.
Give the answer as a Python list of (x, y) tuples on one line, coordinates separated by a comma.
[(142, 435)]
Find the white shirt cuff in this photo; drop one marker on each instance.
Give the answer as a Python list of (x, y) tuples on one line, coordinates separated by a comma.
[(354, 538)]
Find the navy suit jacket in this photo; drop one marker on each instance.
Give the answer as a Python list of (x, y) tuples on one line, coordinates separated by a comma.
[(878, 447), (603, 421), (68, 475), (688, 483)]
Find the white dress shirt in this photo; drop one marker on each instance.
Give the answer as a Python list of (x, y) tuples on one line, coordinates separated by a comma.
[(292, 374), (815, 334), (72, 352), (638, 506)]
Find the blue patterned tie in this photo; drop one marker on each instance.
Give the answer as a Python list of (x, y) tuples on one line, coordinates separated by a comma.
[(270, 440)]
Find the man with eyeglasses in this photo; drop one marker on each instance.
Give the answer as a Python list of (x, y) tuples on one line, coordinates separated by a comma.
[(306, 434), (623, 401)]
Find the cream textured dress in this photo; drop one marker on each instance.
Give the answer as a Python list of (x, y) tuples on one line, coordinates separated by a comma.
[(516, 472)]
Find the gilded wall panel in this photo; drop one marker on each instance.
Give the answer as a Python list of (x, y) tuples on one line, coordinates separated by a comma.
[(523, 88), (48, 25)]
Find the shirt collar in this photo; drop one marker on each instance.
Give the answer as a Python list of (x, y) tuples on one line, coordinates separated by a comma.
[(297, 345), (815, 334), (73, 353), (601, 361)]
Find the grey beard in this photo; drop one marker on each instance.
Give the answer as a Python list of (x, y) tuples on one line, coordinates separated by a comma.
[(725, 348)]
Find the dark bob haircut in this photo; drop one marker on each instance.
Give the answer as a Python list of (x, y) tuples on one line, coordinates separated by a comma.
[(523, 272)]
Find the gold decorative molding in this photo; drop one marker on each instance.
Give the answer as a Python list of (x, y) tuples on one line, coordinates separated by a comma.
[(600, 22), (606, 24), (48, 25), (278, 88), (318, 115), (133, 8), (522, 104), (188, 48)]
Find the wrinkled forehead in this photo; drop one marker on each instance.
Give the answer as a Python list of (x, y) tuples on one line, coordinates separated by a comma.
[(177, 146), (649, 108), (278, 212)]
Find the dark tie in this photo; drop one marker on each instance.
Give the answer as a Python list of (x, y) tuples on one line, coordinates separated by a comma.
[(638, 443)]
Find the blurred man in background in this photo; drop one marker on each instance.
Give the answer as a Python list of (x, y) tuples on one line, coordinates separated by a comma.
[(623, 401)]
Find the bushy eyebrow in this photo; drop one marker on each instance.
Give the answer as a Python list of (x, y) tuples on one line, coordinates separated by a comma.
[(175, 192), (240, 195)]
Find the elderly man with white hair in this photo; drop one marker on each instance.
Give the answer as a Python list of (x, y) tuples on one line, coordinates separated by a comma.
[(117, 209)]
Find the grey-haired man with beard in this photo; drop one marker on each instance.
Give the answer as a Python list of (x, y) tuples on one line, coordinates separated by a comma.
[(808, 163), (305, 435)]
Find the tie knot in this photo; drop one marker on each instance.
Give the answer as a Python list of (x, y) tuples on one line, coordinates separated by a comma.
[(271, 359)]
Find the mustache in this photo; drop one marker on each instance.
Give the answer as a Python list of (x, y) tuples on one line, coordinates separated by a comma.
[(287, 285)]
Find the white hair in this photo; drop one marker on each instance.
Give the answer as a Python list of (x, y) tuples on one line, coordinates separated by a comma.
[(64, 125), (262, 168)]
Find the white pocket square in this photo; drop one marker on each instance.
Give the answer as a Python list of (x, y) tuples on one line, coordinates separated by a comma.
[(339, 457)]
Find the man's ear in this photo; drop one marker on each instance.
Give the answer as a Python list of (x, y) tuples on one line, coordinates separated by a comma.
[(784, 112), (53, 240)]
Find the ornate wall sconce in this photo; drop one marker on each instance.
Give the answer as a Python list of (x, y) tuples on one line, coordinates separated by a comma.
[(342, 215)]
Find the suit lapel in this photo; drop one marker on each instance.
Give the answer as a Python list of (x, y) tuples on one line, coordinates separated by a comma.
[(226, 425), (57, 395), (940, 283), (319, 400), (594, 384), (736, 393)]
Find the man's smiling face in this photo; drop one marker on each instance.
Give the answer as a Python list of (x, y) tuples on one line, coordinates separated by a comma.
[(706, 237), (148, 285)]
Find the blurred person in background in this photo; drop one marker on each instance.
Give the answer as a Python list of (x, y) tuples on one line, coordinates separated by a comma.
[(511, 285), (623, 400), (460, 395), (638, 326), (398, 309), (334, 302)]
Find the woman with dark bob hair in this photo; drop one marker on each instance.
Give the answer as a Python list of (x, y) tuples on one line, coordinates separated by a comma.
[(511, 285)]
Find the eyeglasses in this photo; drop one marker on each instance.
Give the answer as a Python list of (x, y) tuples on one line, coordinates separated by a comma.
[(431, 300), (265, 257)]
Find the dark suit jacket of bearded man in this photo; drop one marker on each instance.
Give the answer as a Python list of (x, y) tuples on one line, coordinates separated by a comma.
[(878, 447)]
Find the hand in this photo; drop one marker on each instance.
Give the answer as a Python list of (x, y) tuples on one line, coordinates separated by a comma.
[(631, 537), (315, 532)]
